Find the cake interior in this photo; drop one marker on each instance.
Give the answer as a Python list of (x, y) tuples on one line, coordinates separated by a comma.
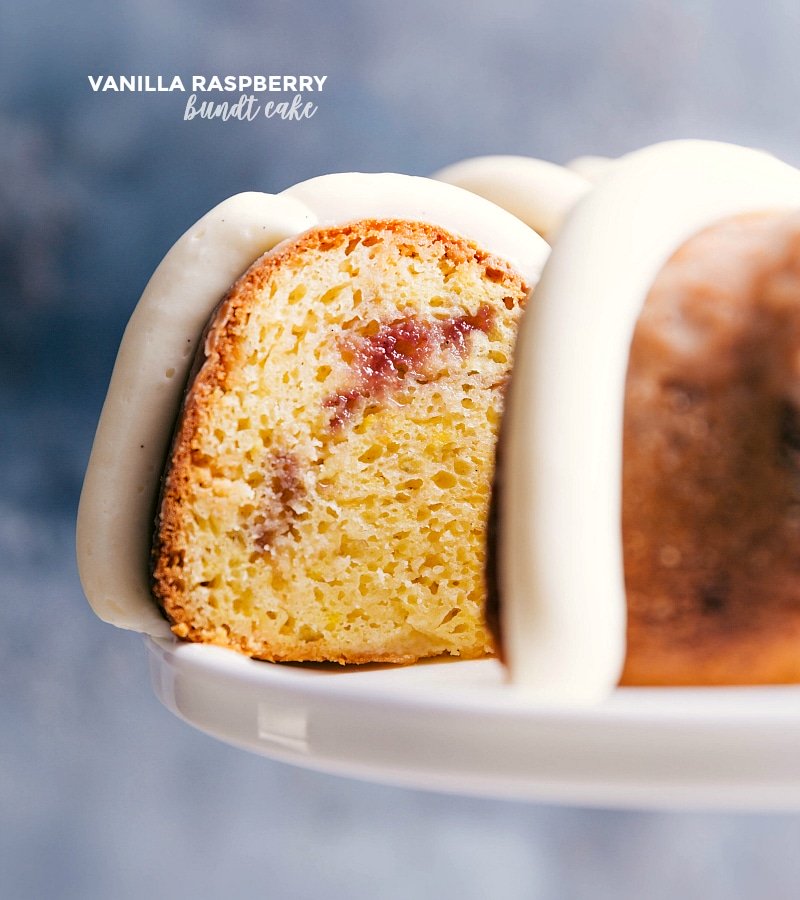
[(327, 490)]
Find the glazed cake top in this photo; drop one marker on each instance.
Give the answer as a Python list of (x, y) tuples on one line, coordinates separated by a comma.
[(560, 556)]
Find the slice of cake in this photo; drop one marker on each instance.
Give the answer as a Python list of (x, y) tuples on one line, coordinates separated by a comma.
[(326, 486), (327, 490)]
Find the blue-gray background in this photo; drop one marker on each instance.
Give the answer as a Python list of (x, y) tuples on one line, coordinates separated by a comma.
[(103, 794)]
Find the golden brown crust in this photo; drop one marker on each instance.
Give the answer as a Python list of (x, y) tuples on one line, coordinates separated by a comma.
[(711, 482), (222, 349)]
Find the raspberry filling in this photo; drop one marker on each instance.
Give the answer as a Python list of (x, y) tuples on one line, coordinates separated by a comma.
[(380, 362), (286, 490)]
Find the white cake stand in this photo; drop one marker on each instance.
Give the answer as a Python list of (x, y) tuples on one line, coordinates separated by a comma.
[(457, 727)]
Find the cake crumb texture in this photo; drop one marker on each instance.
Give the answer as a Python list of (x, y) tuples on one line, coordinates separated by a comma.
[(327, 490)]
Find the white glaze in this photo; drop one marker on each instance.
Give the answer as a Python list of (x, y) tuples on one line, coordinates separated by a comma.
[(561, 554), (591, 167), (538, 192), (117, 501), (351, 196)]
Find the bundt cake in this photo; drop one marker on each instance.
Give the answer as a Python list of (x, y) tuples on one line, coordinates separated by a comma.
[(711, 461), (647, 525), (325, 491)]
